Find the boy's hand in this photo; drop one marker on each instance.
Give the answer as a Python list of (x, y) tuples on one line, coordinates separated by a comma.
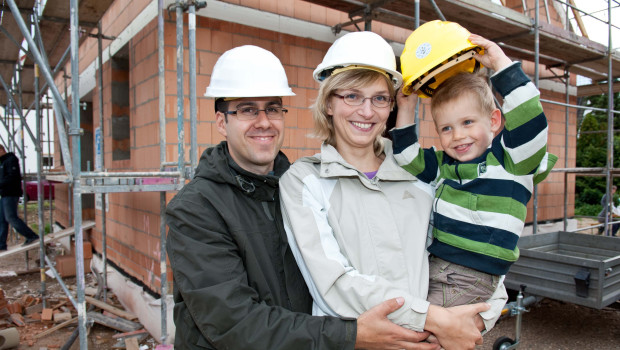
[(376, 331), (406, 108), (493, 56), (457, 327)]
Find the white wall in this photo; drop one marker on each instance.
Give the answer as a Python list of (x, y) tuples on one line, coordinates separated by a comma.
[(30, 153)]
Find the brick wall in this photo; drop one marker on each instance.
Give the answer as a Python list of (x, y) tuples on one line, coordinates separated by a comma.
[(133, 218)]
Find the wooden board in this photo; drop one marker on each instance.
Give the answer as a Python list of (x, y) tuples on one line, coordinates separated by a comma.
[(48, 238)]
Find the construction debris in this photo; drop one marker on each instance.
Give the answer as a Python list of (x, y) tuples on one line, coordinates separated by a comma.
[(24, 312)]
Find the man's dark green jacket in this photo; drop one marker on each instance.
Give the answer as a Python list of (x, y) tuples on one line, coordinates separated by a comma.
[(236, 283)]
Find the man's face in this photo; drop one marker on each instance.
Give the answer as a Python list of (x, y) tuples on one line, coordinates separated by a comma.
[(2, 151), (253, 144)]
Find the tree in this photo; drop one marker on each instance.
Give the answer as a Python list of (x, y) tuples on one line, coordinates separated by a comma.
[(592, 152)]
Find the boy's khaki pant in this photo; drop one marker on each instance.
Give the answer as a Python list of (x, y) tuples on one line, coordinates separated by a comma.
[(451, 284)]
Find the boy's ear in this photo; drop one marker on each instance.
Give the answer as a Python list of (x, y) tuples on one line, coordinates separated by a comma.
[(496, 120)]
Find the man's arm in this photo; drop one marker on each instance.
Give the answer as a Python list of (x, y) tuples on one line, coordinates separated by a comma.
[(11, 172), (375, 331)]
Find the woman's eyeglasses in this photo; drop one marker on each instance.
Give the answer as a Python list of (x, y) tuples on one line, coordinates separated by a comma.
[(353, 99)]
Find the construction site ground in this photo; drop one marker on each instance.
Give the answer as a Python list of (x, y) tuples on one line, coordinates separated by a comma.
[(549, 324), (28, 282)]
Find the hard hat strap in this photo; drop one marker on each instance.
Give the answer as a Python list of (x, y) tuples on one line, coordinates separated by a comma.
[(429, 78), (355, 66)]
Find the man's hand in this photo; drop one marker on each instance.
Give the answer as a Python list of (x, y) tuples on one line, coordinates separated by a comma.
[(493, 56), (375, 331), (458, 327)]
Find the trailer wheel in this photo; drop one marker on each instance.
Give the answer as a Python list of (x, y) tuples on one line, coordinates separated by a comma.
[(503, 343)]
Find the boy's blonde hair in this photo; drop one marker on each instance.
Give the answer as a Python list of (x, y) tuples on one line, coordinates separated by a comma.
[(474, 84), (350, 79)]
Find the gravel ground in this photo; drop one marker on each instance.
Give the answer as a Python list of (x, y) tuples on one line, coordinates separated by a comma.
[(556, 325)]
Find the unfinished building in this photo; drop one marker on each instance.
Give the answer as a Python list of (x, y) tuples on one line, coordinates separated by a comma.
[(132, 127)]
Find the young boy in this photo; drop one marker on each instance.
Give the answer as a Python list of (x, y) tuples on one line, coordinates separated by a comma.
[(484, 176)]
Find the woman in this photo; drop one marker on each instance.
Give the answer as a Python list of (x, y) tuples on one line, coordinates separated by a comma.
[(357, 222)]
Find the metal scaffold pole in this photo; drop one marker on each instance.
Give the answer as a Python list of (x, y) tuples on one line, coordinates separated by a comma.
[(536, 82), (162, 159), (23, 146), (192, 88), (40, 186), (610, 126), (566, 121), (77, 167), (180, 94), (100, 165)]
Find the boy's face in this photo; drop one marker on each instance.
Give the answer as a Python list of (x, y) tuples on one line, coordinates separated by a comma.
[(465, 131)]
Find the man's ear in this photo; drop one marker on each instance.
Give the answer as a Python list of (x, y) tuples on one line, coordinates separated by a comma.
[(220, 122), (496, 121)]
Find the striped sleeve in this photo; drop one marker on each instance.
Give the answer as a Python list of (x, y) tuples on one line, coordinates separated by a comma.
[(524, 138), (419, 162)]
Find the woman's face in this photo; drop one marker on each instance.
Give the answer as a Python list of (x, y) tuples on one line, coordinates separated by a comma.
[(359, 126)]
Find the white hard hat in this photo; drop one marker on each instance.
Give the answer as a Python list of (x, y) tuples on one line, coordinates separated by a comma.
[(359, 50), (248, 71)]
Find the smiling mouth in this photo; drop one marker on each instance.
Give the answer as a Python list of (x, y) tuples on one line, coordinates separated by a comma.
[(363, 126), (462, 148), (262, 138)]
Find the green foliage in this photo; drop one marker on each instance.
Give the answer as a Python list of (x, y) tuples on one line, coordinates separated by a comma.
[(592, 153), (35, 228), (585, 209)]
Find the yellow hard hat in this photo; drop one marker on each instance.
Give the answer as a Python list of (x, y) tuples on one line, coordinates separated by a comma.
[(434, 52)]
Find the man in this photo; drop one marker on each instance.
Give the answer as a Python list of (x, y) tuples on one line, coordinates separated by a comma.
[(612, 211), (10, 191), (236, 283)]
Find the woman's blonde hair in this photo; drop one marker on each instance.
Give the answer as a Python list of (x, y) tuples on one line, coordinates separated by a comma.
[(350, 79)]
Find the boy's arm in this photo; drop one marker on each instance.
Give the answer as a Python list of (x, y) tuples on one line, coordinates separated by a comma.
[(407, 151), (421, 163), (524, 138)]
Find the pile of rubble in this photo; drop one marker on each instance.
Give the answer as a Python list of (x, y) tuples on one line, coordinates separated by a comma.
[(25, 320)]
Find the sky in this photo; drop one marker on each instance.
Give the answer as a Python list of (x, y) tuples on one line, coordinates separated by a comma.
[(597, 30)]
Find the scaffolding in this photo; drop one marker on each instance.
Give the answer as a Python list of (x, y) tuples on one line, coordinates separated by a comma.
[(59, 23)]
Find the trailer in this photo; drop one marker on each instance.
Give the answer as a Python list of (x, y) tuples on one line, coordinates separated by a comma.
[(577, 268), (572, 267)]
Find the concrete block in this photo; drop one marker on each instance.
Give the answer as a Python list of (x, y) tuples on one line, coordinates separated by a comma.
[(62, 317), (34, 309)]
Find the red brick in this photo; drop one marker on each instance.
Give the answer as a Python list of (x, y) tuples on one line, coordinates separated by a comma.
[(15, 308), (65, 265), (47, 314)]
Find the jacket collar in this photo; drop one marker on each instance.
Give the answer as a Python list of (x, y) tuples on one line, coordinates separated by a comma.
[(217, 165), (333, 165)]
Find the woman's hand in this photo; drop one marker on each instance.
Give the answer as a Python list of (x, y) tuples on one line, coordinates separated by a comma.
[(406, 108), (493, 56)]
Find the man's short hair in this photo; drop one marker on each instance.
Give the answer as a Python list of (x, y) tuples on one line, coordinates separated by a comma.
[(2, 148), (474, 84), (221, 105)]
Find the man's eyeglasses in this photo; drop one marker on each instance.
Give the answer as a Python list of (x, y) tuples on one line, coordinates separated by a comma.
[(353, 99), (251, 112)]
